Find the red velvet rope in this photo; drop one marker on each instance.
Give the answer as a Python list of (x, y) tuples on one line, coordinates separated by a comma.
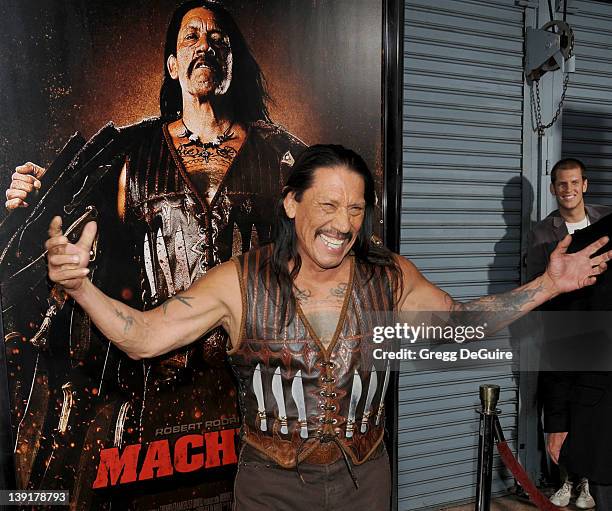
[(535, 495)]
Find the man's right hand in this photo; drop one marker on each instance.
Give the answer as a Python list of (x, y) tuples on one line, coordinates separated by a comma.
[(67, 262), (554, 442), (25, 180)]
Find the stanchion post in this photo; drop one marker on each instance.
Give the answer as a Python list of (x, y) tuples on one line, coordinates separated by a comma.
[(489, 396)]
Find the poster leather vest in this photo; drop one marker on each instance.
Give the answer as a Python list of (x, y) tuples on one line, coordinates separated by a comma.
[(182, 235), (327, 375)]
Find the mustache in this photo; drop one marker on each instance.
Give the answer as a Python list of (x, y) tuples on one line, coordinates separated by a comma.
[(207, 60), (335, 234)]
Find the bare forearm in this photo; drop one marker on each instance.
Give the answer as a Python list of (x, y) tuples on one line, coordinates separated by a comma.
[(177, 322), (502, 309), (126, 327)]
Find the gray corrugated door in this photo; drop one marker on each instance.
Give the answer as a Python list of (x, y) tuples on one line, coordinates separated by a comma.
[(587, 116), (461, 221)]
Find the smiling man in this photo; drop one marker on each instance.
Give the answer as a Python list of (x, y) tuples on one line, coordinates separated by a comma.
[(568, 185), (195, 186), (295, 314)]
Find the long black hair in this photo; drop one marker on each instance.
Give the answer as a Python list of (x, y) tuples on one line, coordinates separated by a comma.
[(284, 236), (247, 95)]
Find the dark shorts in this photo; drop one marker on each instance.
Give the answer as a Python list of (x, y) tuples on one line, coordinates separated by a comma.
[(261, 484)]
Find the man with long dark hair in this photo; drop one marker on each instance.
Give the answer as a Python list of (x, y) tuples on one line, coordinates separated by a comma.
[(298, 313), (196, 186)]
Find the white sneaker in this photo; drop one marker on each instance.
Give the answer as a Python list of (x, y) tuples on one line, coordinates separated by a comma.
[(562, 496), (584, 500)]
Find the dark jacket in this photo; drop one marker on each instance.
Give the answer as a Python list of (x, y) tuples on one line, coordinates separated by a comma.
[(545, 235), (577, 402)]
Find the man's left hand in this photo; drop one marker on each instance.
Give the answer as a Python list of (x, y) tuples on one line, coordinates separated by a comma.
[(569, 272)]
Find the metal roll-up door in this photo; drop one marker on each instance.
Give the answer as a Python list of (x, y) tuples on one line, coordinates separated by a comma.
[(587, 114), (460, 222)]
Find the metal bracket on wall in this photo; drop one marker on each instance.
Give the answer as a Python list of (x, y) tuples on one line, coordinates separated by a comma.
[(547, 51), (541, 46)]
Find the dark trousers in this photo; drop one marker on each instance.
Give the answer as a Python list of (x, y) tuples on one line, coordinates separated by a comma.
[(602, 494), (261, 485)]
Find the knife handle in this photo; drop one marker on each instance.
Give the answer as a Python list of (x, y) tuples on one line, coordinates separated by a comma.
[(364, 421), (283, 420), (380, 412), (263, 425), (350, 424), (303, 429)]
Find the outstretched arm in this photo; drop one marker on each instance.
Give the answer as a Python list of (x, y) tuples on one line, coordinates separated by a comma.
[(211, 301), (565, 272)]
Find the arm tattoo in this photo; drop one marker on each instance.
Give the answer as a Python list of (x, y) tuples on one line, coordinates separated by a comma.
[(512, 301), (128, 321), (183, 299), (496, 310), (340, 291)]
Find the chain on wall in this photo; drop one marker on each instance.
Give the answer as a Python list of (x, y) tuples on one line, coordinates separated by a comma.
[(540, 127)]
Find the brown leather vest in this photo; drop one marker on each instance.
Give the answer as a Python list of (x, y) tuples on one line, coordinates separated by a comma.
[(267, 348)]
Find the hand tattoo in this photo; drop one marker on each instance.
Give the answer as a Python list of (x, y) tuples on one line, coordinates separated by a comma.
[(178, 298), (128, 321)]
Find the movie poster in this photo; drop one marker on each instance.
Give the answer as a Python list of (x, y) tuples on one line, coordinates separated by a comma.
[(162, 433)]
